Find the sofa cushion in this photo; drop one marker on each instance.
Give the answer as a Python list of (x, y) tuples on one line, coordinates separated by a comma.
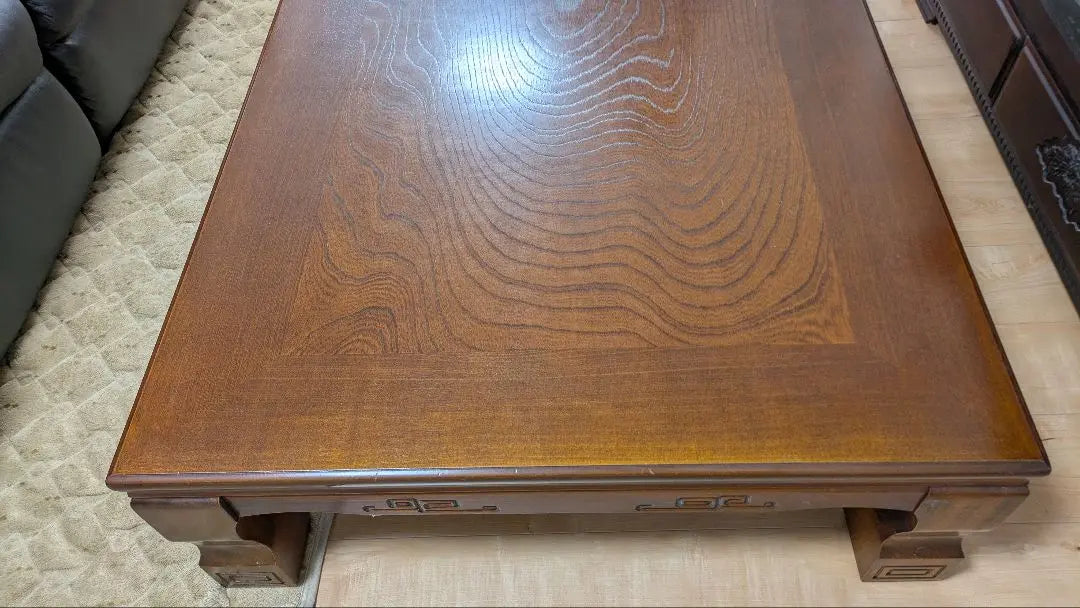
[(55, 19), (106, 56), (20, 60), (48, 156)]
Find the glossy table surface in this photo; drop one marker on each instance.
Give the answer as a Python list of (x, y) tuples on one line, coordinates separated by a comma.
[(537, 240)]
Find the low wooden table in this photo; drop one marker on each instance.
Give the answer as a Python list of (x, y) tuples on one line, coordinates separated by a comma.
[(575, 257)]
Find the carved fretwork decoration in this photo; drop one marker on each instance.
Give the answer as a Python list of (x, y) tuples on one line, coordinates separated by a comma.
[(249, 579), (425, 506), (1060, 160), (914, 573), (708, 503)]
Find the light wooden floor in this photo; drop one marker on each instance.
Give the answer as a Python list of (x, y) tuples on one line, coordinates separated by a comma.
[(1034, 559)]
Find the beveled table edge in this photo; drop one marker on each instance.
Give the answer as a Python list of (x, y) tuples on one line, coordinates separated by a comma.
[(556, 477)]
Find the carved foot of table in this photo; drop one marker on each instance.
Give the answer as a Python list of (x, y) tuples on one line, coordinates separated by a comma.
[(255, 551), (925, 544)]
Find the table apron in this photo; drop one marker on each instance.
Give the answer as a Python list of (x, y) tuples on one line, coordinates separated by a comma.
[(741, 498)]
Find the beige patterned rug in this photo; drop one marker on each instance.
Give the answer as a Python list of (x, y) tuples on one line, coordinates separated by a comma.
[(65, 539)]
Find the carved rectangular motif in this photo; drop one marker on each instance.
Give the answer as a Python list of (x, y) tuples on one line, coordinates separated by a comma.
[(708, 503), (900, 573), (249, 579), (398, 505)]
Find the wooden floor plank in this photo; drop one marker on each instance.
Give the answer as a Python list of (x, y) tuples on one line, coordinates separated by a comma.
[(910, 43), (1052, 400), (961, 149), (988, 212), (936, 91), (893, 10), (1011, 277), (369, 528), (723, 567), (1043, 355)]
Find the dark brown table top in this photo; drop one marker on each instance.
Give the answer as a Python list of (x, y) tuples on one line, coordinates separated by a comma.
[(621, 238)]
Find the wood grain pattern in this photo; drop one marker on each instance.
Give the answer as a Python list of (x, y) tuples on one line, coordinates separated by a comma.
[(529, 236), (524, 211)]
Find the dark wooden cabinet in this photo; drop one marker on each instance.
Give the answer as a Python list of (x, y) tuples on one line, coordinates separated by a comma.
[(986, 34), (1053, 27), (1020, 58)]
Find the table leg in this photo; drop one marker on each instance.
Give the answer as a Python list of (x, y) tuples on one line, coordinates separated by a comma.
[(925, 544), (259, 550)]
